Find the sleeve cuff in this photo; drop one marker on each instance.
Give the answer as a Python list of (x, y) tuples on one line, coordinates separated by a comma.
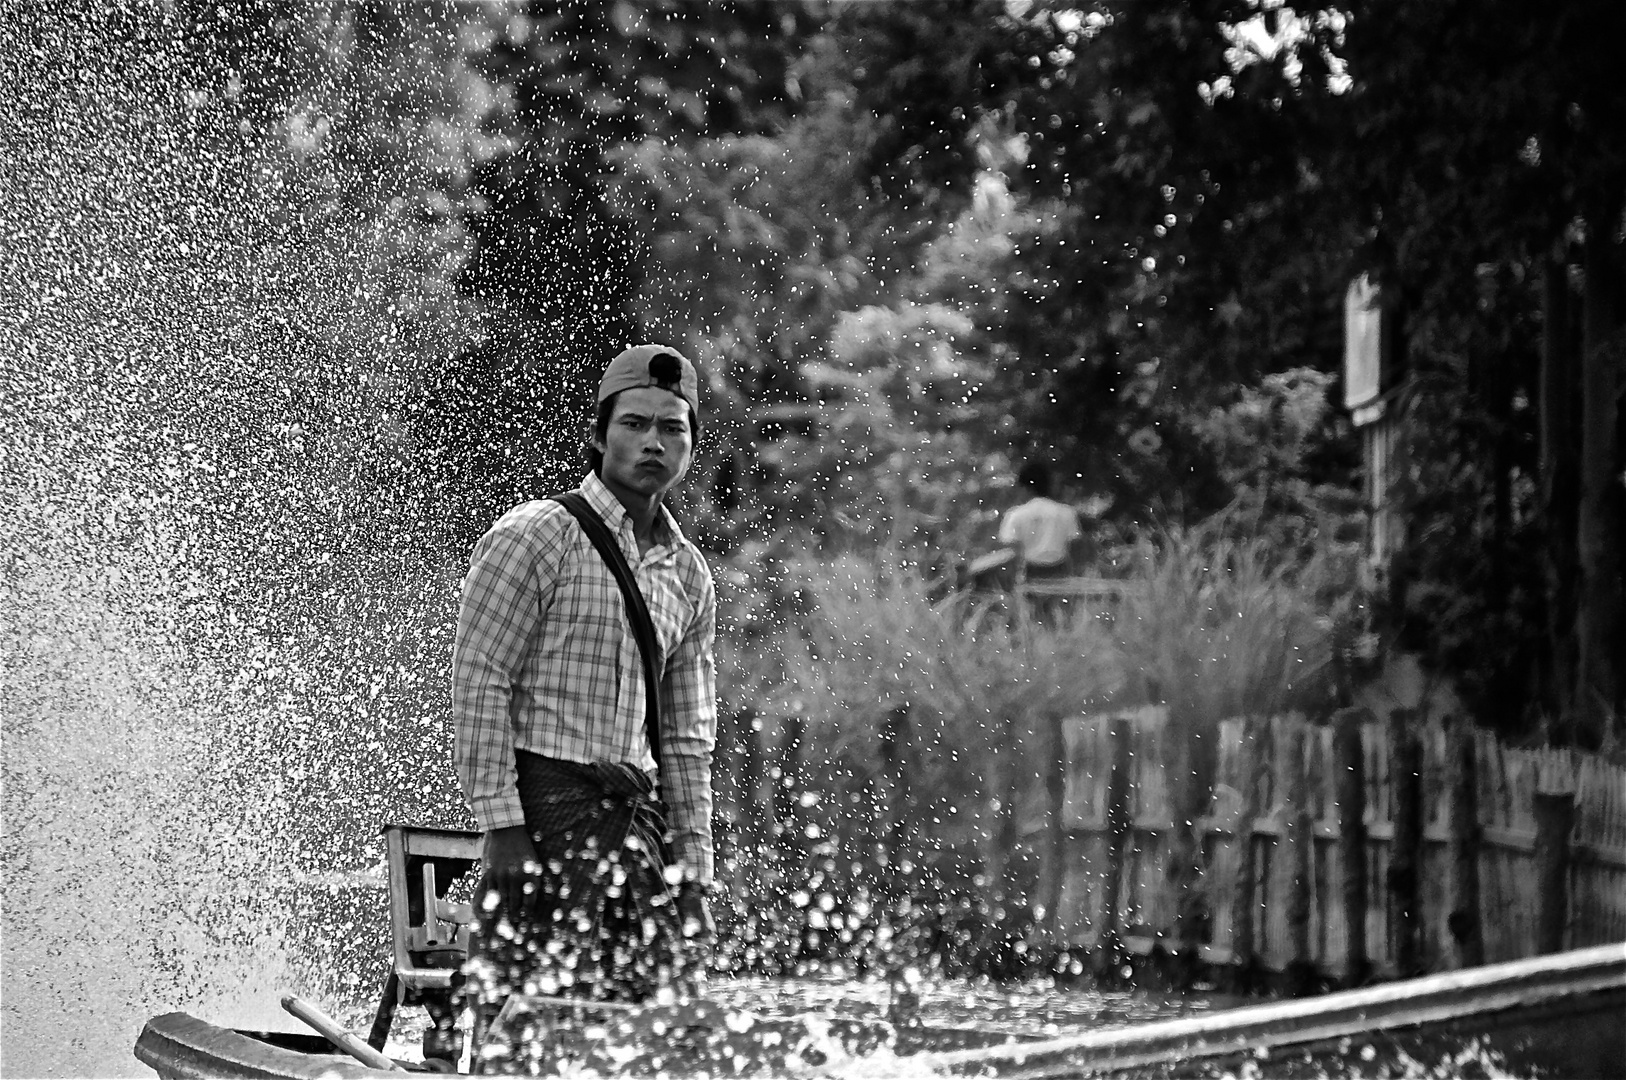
[(697, 867), (498, 812)]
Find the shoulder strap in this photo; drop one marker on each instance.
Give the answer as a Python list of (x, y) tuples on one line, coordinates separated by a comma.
[(643, 627)]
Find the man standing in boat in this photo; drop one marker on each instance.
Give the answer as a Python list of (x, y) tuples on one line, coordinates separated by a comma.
[(596, 812)]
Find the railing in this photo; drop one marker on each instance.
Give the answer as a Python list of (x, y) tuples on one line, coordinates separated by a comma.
[(996, 572)]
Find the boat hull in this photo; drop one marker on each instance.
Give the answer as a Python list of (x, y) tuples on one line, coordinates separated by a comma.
[(1533, 1002), (178, 1046), (1566, 1012)]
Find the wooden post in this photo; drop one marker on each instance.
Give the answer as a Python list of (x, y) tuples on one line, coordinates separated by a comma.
[(1463, 922), (1349, 760), (1119, 737), (1189, 761), (1055, 855), (1555, 817), (1298, 827), (1256, 753), (1405, 861)]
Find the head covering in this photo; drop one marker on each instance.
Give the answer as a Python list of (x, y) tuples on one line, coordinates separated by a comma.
[(651, 365)]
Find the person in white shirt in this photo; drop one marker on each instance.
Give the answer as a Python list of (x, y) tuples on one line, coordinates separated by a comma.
[(1041, 529)]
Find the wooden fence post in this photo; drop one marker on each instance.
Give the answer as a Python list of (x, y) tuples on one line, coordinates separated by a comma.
[(1349, 761), (1555, 817), (1189, 760), (1109, 953), (1405, 861), (1256, 755), (1298, 829), (1463, 922), (1003, 867), (1055, 854)]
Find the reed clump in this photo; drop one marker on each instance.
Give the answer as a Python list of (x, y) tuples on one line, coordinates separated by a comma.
[(932, 726)]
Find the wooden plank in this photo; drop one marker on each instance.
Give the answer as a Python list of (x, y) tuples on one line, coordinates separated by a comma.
[(1405, 867), (1089, 762), (1507, 898), (1119, 734), (1555, 818), (1379, 837), (1299, 845), (1247, 863), (1464, 921), (1254, 758), (1599, 853), (1053, 857), (1321, 835), (1225, 843), (1283, 871), (1351, 785), (1433, 850), (1082, 914)]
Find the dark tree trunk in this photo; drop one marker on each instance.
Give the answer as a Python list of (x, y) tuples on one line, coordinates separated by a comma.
[(1600, 643), (1560, 453)]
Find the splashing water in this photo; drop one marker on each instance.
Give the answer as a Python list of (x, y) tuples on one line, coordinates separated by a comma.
[(225, 606), (213, 630)]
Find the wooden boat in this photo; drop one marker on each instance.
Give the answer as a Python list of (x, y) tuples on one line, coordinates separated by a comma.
[(1564, 1014), (1567, 1011)]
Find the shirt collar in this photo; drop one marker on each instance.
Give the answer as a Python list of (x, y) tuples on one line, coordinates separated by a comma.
[(608, 507)]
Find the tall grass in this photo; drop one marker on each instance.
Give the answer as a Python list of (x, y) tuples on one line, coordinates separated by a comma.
[(1220, 624), (1213, 623)]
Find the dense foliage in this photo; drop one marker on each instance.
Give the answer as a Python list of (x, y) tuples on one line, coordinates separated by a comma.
[(914, 244)]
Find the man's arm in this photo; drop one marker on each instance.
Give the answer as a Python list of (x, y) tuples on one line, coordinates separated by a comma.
[(689, 736), (509, 582)]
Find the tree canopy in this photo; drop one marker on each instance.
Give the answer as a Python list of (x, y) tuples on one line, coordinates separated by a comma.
[(914, 244)]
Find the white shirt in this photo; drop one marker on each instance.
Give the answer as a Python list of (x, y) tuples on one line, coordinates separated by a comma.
[(1042, 528)]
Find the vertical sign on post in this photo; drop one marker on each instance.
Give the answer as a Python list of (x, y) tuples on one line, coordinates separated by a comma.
[(1369, 369)]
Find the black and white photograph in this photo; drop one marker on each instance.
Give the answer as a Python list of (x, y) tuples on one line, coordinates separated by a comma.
[(813, 539)]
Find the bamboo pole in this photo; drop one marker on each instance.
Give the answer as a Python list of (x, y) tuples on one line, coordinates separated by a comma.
[(338, 1036)]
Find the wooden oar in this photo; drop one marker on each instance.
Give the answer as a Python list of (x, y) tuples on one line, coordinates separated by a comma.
[(330, 1030)]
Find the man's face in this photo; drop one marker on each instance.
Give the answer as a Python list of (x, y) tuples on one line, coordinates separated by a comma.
[(647, 445)]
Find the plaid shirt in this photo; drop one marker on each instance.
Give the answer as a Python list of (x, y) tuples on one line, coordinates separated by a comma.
[(546, 661)]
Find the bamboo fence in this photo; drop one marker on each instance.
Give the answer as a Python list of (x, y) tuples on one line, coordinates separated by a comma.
[(1347, 850)]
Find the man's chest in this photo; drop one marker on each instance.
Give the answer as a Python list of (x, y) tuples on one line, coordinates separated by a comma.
[(585, 596)]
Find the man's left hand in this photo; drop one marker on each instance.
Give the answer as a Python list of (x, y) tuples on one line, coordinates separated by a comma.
[(695, 913)]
